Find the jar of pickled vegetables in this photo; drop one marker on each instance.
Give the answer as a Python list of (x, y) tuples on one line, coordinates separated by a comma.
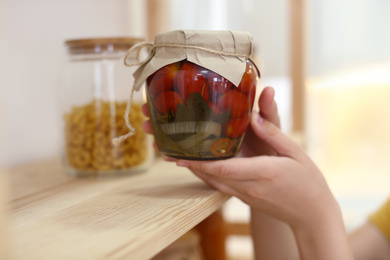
[(94, 95), (201, 87)]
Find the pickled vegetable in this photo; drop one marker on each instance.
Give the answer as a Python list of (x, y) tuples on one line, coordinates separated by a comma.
[(198, 114)]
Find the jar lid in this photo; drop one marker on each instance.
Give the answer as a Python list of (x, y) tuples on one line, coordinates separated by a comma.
[(98, 45)]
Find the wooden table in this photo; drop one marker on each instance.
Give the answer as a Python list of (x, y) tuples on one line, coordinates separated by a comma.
[(54, 216)]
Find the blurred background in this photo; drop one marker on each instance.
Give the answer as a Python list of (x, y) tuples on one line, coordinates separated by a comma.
[(329, 62)]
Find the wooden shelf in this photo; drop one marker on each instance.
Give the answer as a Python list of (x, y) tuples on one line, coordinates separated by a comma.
[(55, 216)]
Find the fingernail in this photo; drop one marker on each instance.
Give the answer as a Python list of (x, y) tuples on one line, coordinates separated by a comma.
[(182, 163), (168, 159)]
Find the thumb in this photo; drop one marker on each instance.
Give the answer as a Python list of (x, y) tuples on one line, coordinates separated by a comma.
[(271, 135)]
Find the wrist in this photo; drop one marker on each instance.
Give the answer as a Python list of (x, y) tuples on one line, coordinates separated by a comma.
[(272, 238)]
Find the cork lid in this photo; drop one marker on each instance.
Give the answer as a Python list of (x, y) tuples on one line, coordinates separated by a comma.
[(99, 45)]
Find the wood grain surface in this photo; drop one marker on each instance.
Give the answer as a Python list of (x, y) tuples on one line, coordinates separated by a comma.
[(4, 225), (54, 216)]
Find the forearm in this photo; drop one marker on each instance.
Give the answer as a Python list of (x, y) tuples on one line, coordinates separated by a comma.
[(323, 239), (326, 240), (272, 239)]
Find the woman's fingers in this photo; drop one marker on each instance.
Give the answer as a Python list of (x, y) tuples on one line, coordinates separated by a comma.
[(216, 183), (145, 110), (271, 135), (230, 169), (268, 107), (167, 159), (247, 168), (147, 126)]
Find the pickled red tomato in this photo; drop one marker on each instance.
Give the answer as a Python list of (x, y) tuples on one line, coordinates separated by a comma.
[(167, 100), (217, 83), (238, 103), (236, 127), (192, 78), (248, 81), (163, 79)]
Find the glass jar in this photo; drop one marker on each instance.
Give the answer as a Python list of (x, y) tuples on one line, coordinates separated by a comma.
[(198, 114), (95, 90), (201, 87)]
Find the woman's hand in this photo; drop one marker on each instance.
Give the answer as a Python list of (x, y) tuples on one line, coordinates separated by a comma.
[(287, 186), (284, 185), (273, 175)]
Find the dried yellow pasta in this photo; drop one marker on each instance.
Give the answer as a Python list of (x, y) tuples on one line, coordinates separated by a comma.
[(89, 130)]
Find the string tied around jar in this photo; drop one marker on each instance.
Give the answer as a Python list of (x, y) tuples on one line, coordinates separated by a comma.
[(136, 49)]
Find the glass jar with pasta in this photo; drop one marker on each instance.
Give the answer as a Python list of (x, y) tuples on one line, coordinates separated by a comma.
[(95, 92)]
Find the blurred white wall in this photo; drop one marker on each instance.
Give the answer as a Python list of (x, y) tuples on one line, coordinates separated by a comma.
[(347, 34), (348, 85)]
